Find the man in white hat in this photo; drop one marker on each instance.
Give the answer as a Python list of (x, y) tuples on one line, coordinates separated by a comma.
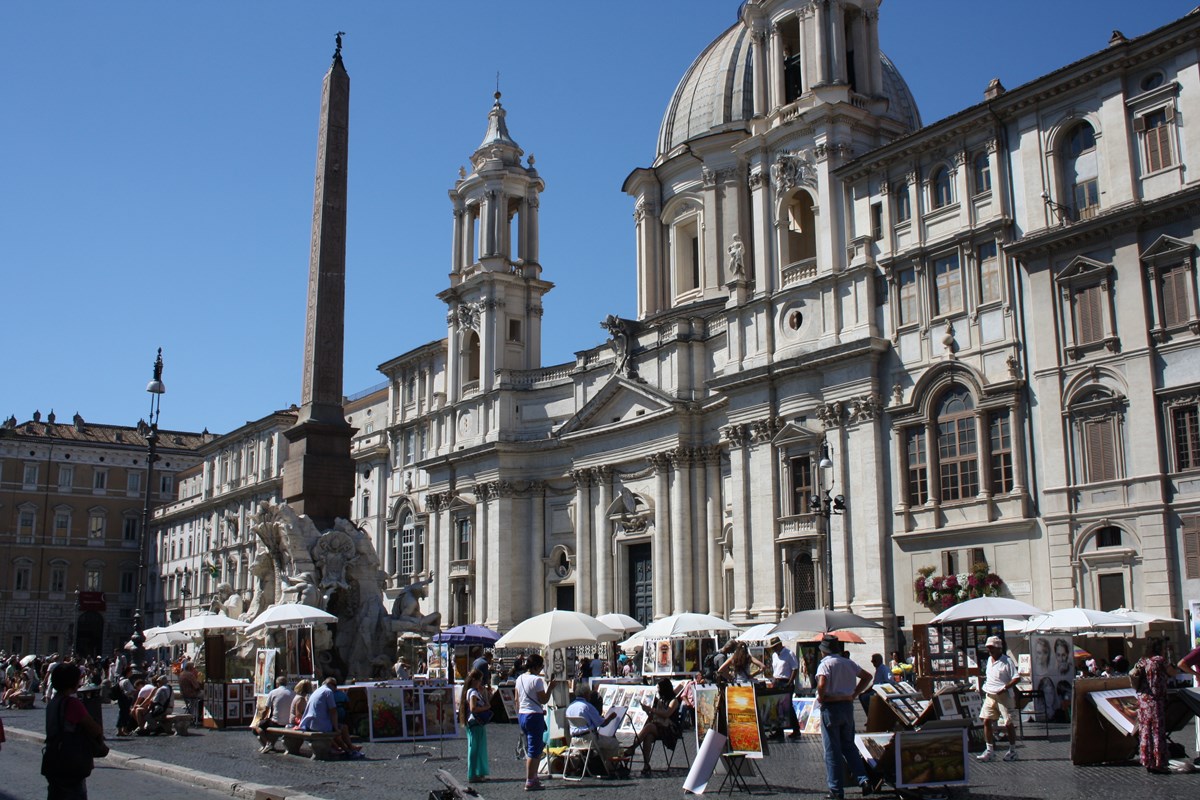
[(839, 681), (783, 676), (1000, 677)]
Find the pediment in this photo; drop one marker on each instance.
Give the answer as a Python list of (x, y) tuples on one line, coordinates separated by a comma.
[(618, 401), (794, 433), (1169, 248), (1082, 267)]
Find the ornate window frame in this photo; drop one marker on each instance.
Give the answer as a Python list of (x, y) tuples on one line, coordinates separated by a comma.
[(1073, 282), (1169, 256)]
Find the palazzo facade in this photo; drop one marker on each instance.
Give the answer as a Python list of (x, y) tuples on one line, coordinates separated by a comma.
[(864, 348)]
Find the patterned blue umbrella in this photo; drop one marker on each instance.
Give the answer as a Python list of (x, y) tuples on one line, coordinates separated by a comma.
[(467, 634)]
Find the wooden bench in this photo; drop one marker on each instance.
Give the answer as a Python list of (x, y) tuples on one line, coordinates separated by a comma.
[(321, 744)]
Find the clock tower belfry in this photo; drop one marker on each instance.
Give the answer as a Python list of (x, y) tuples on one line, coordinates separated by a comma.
[(495, 295)]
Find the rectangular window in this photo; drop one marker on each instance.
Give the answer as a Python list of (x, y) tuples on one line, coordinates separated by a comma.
[(1185, 424), (410, 445), (22, 578), (903, 203), (958, 469), (877, 221), (66, 478), (1100, 453), (948, 285), (1191, 546), (95, 527), (1111, 588), (1089, 316), (514, 330), (166, 485), (1176, 285), (408, 551), (910, 309), (981, 173), (100, 479), (463, 549), (31, 475), (58, 579), (918, 467), (1087, 199), (62, 526), (989, 272), (129, 529), (950, 562), (802, 484), (423, 442), (127, 582), (134, 482), (93, 582), (26, 522), (1001, 452), (1155, 129), (419, 558)]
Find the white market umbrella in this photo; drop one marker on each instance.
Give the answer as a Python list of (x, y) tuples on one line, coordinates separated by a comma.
[(1142, 617), (205, 623), (286, 614), (757, 633), (988, 608), (821, 620), (165, 639), (558, 629), (1074, 620), (621, 623), (678, 626), (634, 642), (29, 659)]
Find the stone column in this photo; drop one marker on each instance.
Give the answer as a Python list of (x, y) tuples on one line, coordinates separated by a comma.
[(583, 539), (715, 515), (439, 540), (457, 257), (736, 435), (820, 40), (537, 549), (776, 82), (762, 510), (681, 535), (502, 561), (661, 540), (835, 28), (698, 530), (529, 251), (602, 535), (482, 553)]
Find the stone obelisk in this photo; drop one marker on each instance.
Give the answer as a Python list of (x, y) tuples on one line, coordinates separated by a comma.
[(318, 477)]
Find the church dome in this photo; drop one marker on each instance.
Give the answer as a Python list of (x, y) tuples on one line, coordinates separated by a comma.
[(717, 92)]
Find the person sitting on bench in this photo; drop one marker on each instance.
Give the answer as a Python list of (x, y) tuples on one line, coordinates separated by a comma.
[(161, 703), (279, 709)]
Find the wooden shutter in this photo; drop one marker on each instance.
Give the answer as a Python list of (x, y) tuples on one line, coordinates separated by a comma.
[(1089, 319), (1191, 547), (1099, 453), (1175, 296)]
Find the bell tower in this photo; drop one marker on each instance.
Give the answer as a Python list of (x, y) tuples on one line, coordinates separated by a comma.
[(495, 295)]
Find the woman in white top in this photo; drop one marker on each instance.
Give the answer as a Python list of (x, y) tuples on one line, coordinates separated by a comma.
[(532, 694)]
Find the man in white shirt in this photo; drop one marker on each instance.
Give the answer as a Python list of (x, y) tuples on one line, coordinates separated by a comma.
[(533, 692), (584, 706), (783, 676), (1000, 676), (839, 681), (279, 708)]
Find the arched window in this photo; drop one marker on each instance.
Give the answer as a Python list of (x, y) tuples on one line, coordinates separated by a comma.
[(471, 362), (940, 189), (1081, 171), (801, 229), (981, 173), (408, 545), (958, 465)]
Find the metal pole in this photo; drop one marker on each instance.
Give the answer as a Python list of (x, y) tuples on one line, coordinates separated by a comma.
[(156, 390)]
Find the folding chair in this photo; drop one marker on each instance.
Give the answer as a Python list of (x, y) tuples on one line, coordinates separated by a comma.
[(580, 747)]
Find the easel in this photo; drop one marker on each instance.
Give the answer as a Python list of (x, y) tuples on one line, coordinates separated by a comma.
[(440, 705)]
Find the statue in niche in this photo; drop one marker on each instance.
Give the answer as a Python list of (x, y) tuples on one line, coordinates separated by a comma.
[(304, 587), (621, 331), (737, 253), (227, 602), (406, 613)]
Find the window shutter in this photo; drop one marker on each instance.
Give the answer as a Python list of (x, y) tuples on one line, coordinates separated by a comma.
[(1174, 296), (1139, 124), (1191, 547), (1088, 316), (1100, 454), (1169, 112), (1154, 158)]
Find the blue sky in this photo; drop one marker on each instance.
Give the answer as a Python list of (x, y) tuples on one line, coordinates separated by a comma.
[(159, 162)]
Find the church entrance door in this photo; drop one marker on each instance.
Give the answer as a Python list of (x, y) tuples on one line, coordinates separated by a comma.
[(641, 583)]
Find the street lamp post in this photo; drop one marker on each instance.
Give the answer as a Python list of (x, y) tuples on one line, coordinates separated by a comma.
[(156, 389), (825, 507)]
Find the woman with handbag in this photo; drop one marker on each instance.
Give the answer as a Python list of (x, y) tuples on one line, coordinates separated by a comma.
[(73, 738), (475, 712)]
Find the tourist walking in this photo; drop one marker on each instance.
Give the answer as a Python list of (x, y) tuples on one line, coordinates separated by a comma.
[(1149, 679), (839, 681), (68, 726), (533, 692), (1000, 677), (474, 713)]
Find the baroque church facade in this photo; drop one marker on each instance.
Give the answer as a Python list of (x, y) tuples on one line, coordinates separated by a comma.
[(865, 350)]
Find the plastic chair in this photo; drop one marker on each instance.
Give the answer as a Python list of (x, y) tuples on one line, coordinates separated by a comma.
[(580, 747)]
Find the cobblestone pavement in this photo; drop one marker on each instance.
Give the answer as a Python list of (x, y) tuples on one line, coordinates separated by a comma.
[(793, 769)]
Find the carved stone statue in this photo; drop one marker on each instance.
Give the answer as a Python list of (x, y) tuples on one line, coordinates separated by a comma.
[(304, 587), (333, 552), (621, 331), (262, 577), (406, 614), (267, 525), (227, 601), (737, 252)]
